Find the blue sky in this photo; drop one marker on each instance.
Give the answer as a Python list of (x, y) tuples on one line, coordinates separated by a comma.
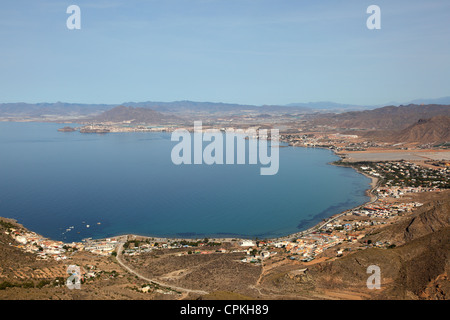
[(236, 51)]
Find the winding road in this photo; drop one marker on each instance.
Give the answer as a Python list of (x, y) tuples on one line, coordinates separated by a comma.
[(119, 260)]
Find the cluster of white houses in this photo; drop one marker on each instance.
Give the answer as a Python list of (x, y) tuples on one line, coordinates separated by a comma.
[(397, 192), (102, 247), (44, 248), (344, 228), (304, 248)]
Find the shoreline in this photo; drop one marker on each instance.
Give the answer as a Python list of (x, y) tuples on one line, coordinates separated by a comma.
[(369, 192), (373, 183)]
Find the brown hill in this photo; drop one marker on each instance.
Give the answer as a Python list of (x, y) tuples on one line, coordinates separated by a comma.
[(15, 264), (389, 117), (432, 217), (434, 130), (418, 267), (135, 115)]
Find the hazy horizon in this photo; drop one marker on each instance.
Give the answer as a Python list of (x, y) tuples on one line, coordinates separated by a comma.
[(236, 103), (246, 52)]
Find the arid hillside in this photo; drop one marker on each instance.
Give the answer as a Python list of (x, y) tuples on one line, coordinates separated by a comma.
[(386, 118), (433, 130), (134, 115), (417, 267)]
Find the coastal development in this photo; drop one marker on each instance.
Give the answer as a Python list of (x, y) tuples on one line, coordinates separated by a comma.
[(348, 227), (404, 224), (225, 150), (396, 190)]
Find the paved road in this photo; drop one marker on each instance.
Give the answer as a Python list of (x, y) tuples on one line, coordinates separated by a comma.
[(119, 253)]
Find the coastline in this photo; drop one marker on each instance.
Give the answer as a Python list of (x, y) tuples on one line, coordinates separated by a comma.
[(369, 192), (374, 180)]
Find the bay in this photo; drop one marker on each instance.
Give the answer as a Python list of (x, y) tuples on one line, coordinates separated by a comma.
[(126, 183)]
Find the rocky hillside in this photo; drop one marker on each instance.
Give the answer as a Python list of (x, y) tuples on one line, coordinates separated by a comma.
[(135, 115), (18, 266), (434, 130), (385, 118), (417, 268)]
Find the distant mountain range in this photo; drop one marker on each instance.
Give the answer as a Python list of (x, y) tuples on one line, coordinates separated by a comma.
[(333, 106), (443, 100), (76, 110), (330, 106), (37, 110), (214, 107), (62, 109)]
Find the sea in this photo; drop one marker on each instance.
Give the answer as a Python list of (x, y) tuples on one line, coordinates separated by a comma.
[(69, 186)]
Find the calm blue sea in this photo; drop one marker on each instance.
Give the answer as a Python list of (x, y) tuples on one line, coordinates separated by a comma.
[(122, 183)]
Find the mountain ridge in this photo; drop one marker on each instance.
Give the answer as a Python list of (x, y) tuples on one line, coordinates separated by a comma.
[(134, 115), (435, 129), (89, 109), (388, 117)]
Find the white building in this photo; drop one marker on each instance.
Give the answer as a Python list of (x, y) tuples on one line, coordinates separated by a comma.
[(247, 243), (21, 239)]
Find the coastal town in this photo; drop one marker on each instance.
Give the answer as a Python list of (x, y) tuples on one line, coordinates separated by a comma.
[(335, 236), (115, 128), (225, 154), (349, 228), (403, 178)]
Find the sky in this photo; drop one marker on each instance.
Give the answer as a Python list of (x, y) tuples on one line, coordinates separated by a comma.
[(234, 51)]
